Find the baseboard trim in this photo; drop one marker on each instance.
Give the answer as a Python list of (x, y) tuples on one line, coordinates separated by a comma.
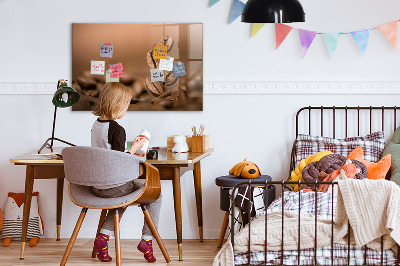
[(244, 87)]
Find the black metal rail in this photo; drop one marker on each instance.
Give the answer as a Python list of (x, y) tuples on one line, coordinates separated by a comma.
[(265, 185)]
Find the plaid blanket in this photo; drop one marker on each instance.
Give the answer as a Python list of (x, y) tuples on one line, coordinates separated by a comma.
[(340, 254), (323, 205)]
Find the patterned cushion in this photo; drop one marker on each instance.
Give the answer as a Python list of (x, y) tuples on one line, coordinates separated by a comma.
[(372, 144), (13, 228)]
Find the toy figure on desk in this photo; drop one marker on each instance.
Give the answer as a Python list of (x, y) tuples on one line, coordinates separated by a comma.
[(180, 144), (13, 214)]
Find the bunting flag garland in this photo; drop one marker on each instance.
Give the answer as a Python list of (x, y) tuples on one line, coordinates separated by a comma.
[(237, 9), (281, 31), (256, 28), (306, 39), (361, 37), (213, 2), (332, 41), (389, 30)]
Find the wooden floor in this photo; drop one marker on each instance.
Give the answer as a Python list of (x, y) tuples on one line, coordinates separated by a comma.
[(50, 252)]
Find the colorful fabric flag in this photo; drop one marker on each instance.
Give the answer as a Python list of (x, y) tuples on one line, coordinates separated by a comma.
[(361, 37), (281, 31), (237, 9), (256, 27), (389, 30), (213, 2), (306, 39), (332, 41)]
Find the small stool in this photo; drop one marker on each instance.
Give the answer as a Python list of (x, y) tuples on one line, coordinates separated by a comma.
[(226, 183)]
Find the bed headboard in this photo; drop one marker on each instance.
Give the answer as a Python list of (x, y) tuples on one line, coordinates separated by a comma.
[(344, 121)]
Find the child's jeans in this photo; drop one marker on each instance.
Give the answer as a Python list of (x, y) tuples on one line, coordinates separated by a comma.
[(154, 208)]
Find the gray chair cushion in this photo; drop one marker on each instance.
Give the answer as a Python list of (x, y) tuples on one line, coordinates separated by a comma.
[(83, 195), (99, 167)]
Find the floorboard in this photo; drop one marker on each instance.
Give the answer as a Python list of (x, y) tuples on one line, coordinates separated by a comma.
[(50, 252)]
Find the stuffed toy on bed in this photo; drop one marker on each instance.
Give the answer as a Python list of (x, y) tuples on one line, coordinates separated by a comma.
[(245, 169), (13, 215)]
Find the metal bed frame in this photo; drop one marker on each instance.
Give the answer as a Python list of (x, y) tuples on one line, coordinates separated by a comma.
[(283, 184)]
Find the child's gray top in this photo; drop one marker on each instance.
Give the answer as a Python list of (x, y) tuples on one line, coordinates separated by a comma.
[(110, 135)]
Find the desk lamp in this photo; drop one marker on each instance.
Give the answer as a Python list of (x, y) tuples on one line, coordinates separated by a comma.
[(64, 97), (273, 11)]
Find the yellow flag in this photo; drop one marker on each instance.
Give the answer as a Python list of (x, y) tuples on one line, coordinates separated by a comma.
[(256, 28)]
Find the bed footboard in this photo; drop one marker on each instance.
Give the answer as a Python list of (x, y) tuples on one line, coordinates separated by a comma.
[(382, 260)]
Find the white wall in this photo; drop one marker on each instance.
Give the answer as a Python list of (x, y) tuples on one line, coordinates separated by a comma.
[(35, 47)]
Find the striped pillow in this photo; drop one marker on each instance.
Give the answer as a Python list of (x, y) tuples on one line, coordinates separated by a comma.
[(372, 145), (13, 228)]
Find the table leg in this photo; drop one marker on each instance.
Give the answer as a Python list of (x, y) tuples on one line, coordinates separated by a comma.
[(199, 204), (176, 182), (60, 190), (27, 206)]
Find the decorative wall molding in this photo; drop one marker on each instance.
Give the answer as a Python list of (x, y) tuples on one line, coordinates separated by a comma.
[(303, 87), (247, 87)]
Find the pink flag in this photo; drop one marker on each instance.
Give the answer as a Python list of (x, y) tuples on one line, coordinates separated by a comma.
[(281, 31), (306, 39), (389, 30)]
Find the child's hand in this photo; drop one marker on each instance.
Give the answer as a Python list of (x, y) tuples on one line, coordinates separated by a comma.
[(143, 155), (137, 144)]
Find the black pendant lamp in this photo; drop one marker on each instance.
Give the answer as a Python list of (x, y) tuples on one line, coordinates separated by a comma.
[(273, 11)]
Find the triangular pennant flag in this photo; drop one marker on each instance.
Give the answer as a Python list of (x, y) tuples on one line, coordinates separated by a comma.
[(213, 2), (281, 31), (361, 37), (332, 41), (256, 28), (306, 39), (390, 32), (237, 9)]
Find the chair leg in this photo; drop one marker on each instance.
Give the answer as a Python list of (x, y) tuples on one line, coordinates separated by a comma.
[(154, 230), (101, 222), (223, 229), (73, 237), (117, 239)]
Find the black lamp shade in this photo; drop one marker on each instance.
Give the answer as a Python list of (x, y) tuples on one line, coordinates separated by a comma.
[(71, 96), (273, 11)]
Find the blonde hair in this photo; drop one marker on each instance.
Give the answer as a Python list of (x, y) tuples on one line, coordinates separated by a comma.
[(114, 97)]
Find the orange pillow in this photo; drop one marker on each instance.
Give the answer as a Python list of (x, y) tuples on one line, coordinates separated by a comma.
[(375, 170)]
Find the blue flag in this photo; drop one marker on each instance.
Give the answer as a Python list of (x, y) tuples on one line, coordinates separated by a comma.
[(361, 37), (237, 10)]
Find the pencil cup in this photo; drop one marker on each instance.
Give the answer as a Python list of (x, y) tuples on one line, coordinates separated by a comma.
[(200, 143)]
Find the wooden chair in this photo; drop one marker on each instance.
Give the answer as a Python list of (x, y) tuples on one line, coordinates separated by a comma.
[(85, 167)]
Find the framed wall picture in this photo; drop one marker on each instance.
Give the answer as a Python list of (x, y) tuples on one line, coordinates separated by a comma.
[(161, 64)]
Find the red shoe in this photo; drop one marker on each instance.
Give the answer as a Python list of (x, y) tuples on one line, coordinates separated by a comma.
[(146, 247), (101, 245)]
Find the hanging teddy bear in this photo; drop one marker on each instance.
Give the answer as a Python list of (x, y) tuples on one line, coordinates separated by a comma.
[(13, 215)]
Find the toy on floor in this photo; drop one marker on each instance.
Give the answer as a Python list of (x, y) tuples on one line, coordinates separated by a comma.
[(13, 215), (1, 219), (245, 169)]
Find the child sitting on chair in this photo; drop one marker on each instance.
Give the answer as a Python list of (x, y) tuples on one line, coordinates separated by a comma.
[(107, 133)]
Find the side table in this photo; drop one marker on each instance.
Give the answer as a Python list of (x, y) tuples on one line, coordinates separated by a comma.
[(226, 183)]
